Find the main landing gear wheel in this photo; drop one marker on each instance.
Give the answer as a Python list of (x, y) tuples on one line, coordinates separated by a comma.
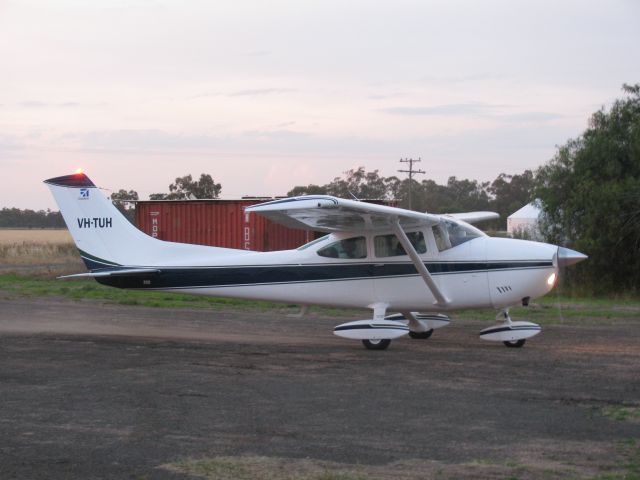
[(421, 335), (515, 343), (376, 344)]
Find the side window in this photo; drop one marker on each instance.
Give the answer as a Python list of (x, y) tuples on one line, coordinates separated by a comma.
[(349, 248), (390, 246)]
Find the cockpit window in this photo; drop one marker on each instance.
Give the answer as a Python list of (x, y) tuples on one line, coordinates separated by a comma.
[(450, 234), (390, 246), (349, 248)]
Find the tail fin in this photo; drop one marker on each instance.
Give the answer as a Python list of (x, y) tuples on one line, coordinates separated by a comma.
[(106, 239), (103, 235)]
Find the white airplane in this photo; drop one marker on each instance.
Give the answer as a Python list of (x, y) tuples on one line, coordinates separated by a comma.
[(377, 257)]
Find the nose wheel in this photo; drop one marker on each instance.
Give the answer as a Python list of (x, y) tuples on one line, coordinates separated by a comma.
[(511, 334), (376, 344)]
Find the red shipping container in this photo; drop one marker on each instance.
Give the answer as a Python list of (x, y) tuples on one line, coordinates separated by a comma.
[(220, 223)]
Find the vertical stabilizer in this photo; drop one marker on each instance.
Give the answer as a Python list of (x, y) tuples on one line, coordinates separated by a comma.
[(102, 234)]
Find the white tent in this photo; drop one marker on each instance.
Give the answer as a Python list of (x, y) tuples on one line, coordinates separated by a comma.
[(524, 222)]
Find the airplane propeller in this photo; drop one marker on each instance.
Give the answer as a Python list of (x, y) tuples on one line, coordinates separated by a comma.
[(566, 257)]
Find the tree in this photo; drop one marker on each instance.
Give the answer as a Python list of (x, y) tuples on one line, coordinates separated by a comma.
[(456, 196), (510, 193), (354, 183), (358, 183), (590, 193), (308, 190), (186, 188), (124, 200), (16, 218)]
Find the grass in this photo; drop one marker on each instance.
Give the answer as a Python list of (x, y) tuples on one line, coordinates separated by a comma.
[(42, 236), (89, 289), (31, 253), (549, 310), (555, 310), (259, 468), (630, 466), (624, 465), (622, 413), (38, 252)]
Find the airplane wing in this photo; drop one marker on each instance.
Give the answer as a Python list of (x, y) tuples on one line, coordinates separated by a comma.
[(474, 217), (331, 214)]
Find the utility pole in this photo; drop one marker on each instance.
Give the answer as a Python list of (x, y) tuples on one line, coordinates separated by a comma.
[(411, 172)]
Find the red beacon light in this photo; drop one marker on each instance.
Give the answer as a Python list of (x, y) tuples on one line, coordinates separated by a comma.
[(79, 171)]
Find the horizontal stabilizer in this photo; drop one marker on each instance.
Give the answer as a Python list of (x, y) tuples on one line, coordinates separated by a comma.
[(123, 272)]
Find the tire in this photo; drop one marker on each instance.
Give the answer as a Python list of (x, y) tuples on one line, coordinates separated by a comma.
[(421, 335), (376, 344), (515, 343)]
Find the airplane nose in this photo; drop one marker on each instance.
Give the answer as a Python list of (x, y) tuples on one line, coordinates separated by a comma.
[(567, 257)]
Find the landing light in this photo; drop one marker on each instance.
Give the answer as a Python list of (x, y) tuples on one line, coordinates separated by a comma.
[(551, 280)]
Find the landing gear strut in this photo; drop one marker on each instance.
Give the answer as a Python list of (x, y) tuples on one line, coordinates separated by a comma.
[(507, 320)]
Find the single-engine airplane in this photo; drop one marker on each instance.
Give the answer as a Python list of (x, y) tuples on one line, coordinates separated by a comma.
[(395, 262)]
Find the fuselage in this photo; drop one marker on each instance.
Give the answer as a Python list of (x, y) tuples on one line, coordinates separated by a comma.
[(478, 273)]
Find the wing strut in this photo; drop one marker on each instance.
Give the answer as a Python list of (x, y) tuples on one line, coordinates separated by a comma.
[(441, 299)]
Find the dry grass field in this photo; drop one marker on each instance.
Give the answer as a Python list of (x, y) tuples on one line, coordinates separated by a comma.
[(35, 236), (38, 251)]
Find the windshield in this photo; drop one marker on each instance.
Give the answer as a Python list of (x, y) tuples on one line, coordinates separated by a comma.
[(449, 234), (313, 242)]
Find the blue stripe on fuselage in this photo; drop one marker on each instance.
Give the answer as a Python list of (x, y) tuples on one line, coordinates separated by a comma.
[(201, 277)]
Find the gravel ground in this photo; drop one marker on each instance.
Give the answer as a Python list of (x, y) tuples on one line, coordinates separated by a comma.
[(89, 390)]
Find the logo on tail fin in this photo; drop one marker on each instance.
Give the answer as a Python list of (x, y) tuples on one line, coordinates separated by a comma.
[(84, 193)]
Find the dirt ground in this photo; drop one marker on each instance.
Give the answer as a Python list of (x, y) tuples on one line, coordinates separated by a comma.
[(90, 390)]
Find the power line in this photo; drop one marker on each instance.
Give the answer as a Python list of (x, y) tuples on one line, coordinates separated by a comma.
[(411, 172)]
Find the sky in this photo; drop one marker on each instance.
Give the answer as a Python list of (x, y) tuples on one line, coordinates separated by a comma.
[(266, 95)]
